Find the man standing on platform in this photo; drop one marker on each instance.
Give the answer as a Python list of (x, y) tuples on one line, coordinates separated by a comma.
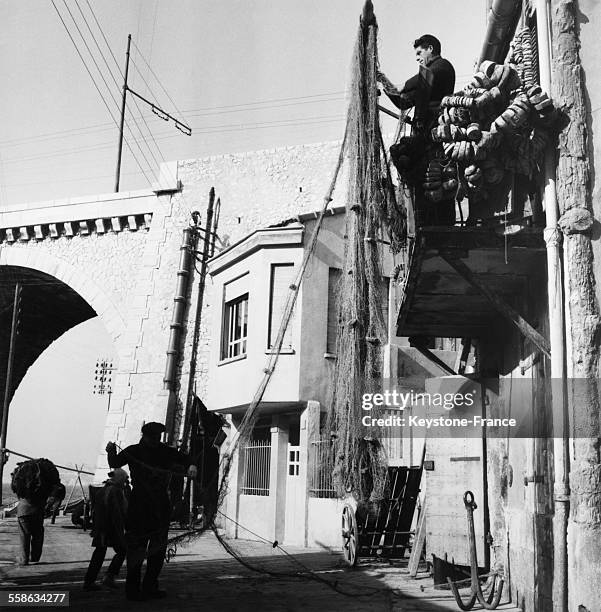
[(425, 90), (151, 464)]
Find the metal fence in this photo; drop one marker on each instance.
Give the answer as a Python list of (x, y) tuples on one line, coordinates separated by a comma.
[(257, 463), (322, 460)]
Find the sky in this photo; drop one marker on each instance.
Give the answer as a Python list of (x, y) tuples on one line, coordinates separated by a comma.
[(243, 74)]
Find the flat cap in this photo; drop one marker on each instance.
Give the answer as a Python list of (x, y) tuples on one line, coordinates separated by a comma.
[(153, 428)]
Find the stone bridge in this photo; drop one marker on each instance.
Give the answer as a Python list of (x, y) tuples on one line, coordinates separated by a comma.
[(116, 256)]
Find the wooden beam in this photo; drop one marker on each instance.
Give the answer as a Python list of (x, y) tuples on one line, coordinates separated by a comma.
[(428, 354), (384, 110), (418, 542), (499, 304)]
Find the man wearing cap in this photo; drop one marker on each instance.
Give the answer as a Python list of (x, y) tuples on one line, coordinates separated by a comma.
[(424, 92), (108, 529), (435, 79), (151, 464)]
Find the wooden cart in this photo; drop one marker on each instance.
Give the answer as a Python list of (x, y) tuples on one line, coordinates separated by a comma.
[(384, 532)]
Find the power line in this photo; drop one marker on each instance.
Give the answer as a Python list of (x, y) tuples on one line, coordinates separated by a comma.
[(99, 27), (111, 72), (105, 40), (206, 130), (73, 180), (102, 75), (91, 76), (112, 75), (208, 108), (103, 127), (181, 115)]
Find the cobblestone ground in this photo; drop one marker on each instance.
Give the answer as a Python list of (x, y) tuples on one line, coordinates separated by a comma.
[(203, 576)]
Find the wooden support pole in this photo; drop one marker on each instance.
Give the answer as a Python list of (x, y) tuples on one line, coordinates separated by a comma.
[(8, 383), (499, 304), (583, 316), (418, 542)]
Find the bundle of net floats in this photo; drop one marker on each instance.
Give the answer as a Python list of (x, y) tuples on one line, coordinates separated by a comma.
[(499, 124)]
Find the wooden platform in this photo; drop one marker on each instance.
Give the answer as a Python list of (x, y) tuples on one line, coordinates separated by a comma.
[(439, 301)]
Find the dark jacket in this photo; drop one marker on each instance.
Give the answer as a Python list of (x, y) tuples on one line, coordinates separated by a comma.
[(151, 469), (430, 85), (110, 509)]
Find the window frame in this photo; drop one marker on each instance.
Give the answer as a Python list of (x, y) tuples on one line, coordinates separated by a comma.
[(228, 328), (270, 323)]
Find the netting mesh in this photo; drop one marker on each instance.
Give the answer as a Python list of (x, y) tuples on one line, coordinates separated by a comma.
[(359, 461), (34, 480)]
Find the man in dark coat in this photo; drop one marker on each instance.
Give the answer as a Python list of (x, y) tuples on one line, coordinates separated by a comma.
[(108, 529), (434, 81), (151, 465), (424, 92)]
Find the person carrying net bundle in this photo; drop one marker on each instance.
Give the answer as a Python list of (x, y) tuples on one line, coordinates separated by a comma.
[(151, 464), (108, 529), (423, 92), (32, 481)]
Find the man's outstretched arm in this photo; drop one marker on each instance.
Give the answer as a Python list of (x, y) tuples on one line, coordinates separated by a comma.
[(115, 460), (398, 98)]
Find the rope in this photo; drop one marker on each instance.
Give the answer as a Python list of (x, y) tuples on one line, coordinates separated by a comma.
[(62, 467), (307, 572)]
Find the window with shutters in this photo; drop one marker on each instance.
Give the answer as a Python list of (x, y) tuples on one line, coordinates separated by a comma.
[(385, 296), (282, 276), (334, 276)]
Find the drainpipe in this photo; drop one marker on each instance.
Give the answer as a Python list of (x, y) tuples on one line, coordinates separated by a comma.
[(561, 485), (177, 321), (502, 22)]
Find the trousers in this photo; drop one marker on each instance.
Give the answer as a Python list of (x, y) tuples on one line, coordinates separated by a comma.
[(98, 558), (153, 546), (31, 534)]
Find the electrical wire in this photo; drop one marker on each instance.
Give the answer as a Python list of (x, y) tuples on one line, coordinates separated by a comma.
[(113, 77), (106, 84), (103, 127), (224, 128), (92, 78), (158, 81), (99, 27)]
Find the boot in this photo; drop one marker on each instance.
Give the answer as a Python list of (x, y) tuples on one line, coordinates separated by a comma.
[(109, 581)]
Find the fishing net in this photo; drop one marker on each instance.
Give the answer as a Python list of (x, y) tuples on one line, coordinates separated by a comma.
[(35, 479), (359, 461)]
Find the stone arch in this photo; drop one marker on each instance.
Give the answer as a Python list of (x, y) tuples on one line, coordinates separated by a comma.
[(70, 275)]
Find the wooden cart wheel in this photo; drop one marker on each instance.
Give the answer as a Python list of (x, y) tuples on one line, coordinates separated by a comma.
[(350, 536)]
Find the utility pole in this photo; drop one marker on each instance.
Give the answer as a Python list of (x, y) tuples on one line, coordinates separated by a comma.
[(8, 383), (210, 233), (122, 123), (182, 127)]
